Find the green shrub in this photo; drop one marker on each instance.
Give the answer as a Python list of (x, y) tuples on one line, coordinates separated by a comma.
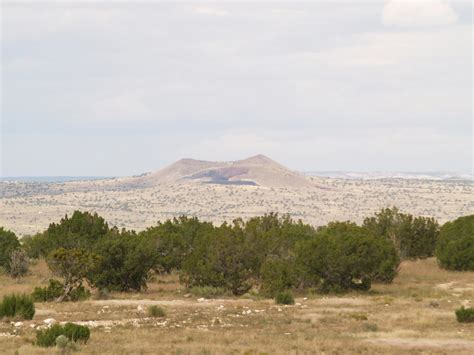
[(125, 261), (73, 332), (465, 315), (77, 332), (208, 291), (413, 237), (8, 243), (455, 245), (79, 294), (343, 256), (55, 289), (80, 231), (156, 312), (173, 240), (277, 275), (17, 306), (50, 293), (285, 297), (223, 258), (47, 337)]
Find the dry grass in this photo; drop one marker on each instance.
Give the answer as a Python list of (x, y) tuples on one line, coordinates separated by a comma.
[(415, 314)]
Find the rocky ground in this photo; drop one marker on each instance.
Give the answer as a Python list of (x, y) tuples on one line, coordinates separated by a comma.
[(414, 315)]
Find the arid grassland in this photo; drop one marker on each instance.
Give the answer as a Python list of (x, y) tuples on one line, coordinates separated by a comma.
[(414, 314), (29, 208)]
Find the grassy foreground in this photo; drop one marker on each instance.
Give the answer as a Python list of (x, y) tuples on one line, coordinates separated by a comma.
[(414, 314)]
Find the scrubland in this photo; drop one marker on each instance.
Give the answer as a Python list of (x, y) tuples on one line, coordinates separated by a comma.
[(29, 208), (414, 314)]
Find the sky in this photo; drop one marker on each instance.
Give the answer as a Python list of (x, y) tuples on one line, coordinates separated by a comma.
[(115, 88)]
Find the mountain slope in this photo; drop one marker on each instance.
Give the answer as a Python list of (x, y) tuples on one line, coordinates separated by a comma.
[(257, 170)]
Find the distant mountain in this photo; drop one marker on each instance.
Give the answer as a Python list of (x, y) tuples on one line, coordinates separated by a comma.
[(438, 176), (257, 170)]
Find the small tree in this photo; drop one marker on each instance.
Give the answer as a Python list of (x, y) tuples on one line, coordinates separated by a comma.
[(278, 275), (19, 263), (455, 246), (125, 262), (221, 259), (73, 266), (343, 256), (8, 243), (413, 237), (80, 231)]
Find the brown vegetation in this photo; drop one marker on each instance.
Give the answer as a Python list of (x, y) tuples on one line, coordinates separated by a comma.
[(415, 314)]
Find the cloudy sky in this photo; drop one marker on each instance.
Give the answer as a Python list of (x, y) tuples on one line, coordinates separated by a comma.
[(120, 88)]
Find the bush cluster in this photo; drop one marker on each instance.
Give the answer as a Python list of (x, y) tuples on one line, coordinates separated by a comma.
[(271, 253), (413, 237), (17, 307), (285, 297), (455, 247), (73, 332), (55, 290)]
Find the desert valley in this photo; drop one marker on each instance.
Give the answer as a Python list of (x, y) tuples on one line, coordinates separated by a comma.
[(222, 191)]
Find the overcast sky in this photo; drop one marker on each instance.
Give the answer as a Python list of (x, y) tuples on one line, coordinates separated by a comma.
[(120, 88)]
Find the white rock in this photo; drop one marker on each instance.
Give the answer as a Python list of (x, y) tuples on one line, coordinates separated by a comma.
[(140, 308), (49, 321), (17, 324), (297, 304), (279, 310), (201, 299)]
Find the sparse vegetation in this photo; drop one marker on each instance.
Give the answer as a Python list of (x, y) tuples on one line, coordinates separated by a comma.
[(208, 291), (156, 311)]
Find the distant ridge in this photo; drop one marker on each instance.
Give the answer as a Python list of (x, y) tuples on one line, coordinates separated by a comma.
[(258, 170), (378, 175)]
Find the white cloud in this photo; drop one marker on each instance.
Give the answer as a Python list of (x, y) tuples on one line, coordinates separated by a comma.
[(206, 10), (120, 108), (418, 13)]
